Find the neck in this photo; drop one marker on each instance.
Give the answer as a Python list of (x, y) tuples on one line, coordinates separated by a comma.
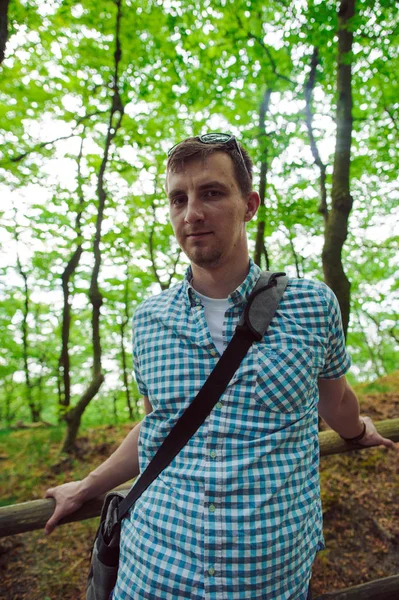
[(218, 283)]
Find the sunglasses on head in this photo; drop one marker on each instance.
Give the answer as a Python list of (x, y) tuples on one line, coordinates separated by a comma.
[(216, 138)]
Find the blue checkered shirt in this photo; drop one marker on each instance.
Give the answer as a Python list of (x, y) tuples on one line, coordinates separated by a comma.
[(237, 514)]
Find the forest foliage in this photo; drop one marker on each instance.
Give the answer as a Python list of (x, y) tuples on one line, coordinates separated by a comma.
[(92, 95)]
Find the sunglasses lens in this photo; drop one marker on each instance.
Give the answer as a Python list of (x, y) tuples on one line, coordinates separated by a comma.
[(215, 138)]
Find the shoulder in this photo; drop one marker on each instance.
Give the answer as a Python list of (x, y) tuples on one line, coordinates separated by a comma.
[(308, 291), (163, 304), (309, 302)]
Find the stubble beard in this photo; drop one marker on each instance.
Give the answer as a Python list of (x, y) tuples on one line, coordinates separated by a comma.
[(205, 258)]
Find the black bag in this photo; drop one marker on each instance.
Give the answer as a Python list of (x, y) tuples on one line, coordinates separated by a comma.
[(253, 324), (105, 553)]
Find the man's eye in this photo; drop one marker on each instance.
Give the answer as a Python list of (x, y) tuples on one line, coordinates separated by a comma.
[(212, 194), (178, 200)]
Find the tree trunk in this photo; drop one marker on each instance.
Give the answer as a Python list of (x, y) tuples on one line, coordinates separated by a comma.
[(294, 254), (34, 410), (64, 361), (3, 27), (123, 325), (336, 228), (260, 247), (309, 87), (73, 416)]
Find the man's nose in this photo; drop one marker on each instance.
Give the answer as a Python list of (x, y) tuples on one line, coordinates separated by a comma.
[(194, 211)]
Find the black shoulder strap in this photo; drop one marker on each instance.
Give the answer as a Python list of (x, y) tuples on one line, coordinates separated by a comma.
[(259, 311)]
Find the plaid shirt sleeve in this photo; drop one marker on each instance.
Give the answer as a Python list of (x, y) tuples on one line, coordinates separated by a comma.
[(337, 360)]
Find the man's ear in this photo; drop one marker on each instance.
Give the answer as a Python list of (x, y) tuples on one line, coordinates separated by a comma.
[(253, 202)]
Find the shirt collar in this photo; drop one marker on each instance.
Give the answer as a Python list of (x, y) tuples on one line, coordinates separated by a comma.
[(239, 296)]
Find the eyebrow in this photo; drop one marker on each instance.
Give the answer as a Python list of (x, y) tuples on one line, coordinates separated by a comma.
[(211, 184), (204, 186)]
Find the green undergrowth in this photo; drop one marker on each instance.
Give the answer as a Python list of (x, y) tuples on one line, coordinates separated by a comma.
[(31, 460), (33, 566)]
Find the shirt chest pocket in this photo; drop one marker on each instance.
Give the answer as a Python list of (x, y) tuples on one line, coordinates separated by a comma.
[(286, 380)]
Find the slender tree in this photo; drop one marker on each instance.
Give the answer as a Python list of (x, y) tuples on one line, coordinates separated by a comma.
[(336, 221), (125, 320), (74, 415), (260, 244), (70, 268), (34, 409)]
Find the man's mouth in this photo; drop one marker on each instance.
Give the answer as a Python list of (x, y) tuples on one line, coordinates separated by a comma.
[(199, 234)]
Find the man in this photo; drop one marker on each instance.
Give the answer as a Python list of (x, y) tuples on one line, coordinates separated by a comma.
[(236, 515)]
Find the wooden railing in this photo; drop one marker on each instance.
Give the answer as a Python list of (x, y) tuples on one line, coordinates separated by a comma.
[(380, 589), (28, 516)]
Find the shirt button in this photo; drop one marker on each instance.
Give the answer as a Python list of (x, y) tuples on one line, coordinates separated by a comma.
[(219, 405), (211, 571), (212, 454), (214, 353), (212, 508)]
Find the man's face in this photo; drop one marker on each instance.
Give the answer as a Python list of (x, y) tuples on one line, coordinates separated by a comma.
[(208, 211)]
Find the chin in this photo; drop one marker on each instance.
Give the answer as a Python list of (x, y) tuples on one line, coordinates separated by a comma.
[(205, 260)]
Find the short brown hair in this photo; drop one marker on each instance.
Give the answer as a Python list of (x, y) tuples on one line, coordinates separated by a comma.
[(192, 149)]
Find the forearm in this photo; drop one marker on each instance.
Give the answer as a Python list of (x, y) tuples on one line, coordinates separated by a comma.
[(343, 416), (121, 466)]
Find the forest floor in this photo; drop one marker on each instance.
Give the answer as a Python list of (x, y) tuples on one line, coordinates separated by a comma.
[(360, 494)]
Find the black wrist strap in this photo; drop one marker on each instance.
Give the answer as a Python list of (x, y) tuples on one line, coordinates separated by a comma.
[(357, 438), (259, 311)]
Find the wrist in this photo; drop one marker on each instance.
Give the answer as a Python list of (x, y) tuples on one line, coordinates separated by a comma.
[(359, 436), (87, 489)]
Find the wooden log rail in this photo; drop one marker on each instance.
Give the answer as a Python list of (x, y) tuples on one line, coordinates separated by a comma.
[(379, 589), (29, 516)]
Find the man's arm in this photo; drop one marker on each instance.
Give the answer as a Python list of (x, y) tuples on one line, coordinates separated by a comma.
[(339, 407), (121, 466)]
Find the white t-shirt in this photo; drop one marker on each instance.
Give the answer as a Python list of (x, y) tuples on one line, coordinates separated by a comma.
[(214, 309)]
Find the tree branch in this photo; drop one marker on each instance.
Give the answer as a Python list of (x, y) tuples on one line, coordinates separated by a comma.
[(37, 147), (309, 87), (393, 118), (294, 253), (175, 263), (259, 41)]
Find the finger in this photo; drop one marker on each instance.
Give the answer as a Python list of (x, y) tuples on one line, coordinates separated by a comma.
[(50, 525), (49, 493), (378, 440), (53, 520), (390, 444), (387, 443)]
